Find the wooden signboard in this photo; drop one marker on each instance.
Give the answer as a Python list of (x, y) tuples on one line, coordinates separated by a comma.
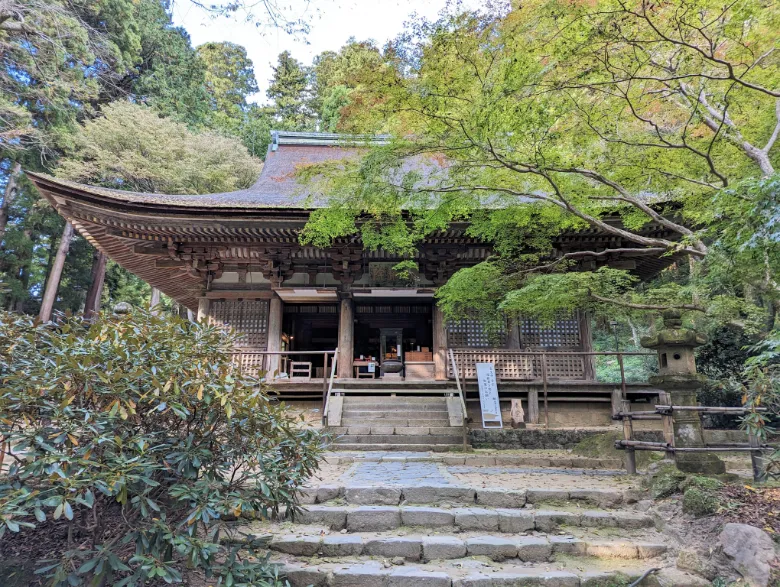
[(488, 396)]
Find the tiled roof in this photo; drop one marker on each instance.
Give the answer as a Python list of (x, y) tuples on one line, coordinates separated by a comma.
[(277, 186)]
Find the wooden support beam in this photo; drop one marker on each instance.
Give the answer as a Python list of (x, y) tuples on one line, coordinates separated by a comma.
[(439, 344), (533, 406), (53, 281), (169, 264), (146, 250), (346, 338), (275, 313), (253, 294), (204, 305)]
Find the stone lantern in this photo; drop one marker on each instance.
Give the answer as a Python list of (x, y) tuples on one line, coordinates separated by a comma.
[(678, 377)]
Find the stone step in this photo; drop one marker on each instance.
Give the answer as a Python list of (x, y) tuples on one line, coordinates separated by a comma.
[(379, 416), (403, 423), (535, 549), (482, 460), (353, 399), (401, 411), (383, 518), (461, 495), (419, 439), (346, 445), (383, 430), (373, 574), (455, 573)]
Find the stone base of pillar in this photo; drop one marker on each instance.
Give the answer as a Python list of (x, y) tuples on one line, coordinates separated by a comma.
[(688, 432), (701, 463)]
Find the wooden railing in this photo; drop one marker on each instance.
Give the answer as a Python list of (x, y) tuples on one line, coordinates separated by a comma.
[(666, 414), (259, 363), (453, 365), (519, 365), (329, 387)]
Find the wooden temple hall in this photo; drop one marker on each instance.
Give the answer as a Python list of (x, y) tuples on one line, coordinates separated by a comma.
[(236, 259)]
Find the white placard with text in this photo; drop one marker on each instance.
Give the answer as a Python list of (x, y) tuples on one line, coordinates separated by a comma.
[(488, 396)]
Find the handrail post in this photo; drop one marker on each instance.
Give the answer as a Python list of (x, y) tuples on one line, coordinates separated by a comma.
[(544, 384), (623, 389), (457, 383), (628, 434), (324, 383), (454, 364), (757, 459), (668, 424), (329, 389)]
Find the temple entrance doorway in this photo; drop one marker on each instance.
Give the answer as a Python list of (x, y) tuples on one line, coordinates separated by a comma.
[(310, 327), (398, 338)]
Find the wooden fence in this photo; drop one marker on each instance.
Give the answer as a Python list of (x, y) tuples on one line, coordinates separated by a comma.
[(665, 412)]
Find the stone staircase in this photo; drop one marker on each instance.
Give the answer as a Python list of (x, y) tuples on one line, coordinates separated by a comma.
[(396, 422), (452, 536)]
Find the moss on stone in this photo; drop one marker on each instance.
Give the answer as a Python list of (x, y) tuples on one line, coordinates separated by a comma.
[(665, 482), (701, 482), (601, 446), (618, 580), (699, 502)]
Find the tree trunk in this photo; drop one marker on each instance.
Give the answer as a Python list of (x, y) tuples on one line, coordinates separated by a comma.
[(154, 301), (53, 282), (21, 270), (10, 193), (95, 292)]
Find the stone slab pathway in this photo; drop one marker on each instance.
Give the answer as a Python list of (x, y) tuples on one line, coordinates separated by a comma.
[(524, 471), (397, 473)]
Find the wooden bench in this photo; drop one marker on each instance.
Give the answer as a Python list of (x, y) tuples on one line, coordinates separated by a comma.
[(300, 370)]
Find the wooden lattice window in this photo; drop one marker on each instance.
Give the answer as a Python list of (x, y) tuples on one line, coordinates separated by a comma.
[(470, 333), (563, 333), (248, 318)]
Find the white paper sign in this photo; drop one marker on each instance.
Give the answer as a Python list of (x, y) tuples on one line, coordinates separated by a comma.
[(488, 396), (372, 367)]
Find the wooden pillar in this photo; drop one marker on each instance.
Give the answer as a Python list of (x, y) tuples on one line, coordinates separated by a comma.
[(533, 406), (586, 342), (154, 301), (204, 305), (274, 335), (439, 344), (97, 279), (346, 338), (53, 282), (513, 334), (617, 400), (11, 188)]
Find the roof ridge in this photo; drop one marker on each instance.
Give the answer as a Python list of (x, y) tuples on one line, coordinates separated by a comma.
[(290, 137)]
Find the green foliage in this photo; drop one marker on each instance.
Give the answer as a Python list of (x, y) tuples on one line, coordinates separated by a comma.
[(761, 389), (603, 446), (332, 105), (700, 496), (515, 121), (137, 432), (546, 296), (339, 83), (289, 90), (131, 147), (62, 62), (699, 502), (230, 75), (474, 291), (56, 57), (665, 482), (170, 76)]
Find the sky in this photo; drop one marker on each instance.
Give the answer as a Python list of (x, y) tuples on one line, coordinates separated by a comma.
[(332, 24)]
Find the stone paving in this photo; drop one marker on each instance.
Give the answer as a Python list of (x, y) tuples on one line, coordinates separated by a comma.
[(525, 471), (397, 473)]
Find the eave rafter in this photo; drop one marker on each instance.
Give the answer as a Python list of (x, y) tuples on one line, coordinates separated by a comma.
[(181, 250)]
